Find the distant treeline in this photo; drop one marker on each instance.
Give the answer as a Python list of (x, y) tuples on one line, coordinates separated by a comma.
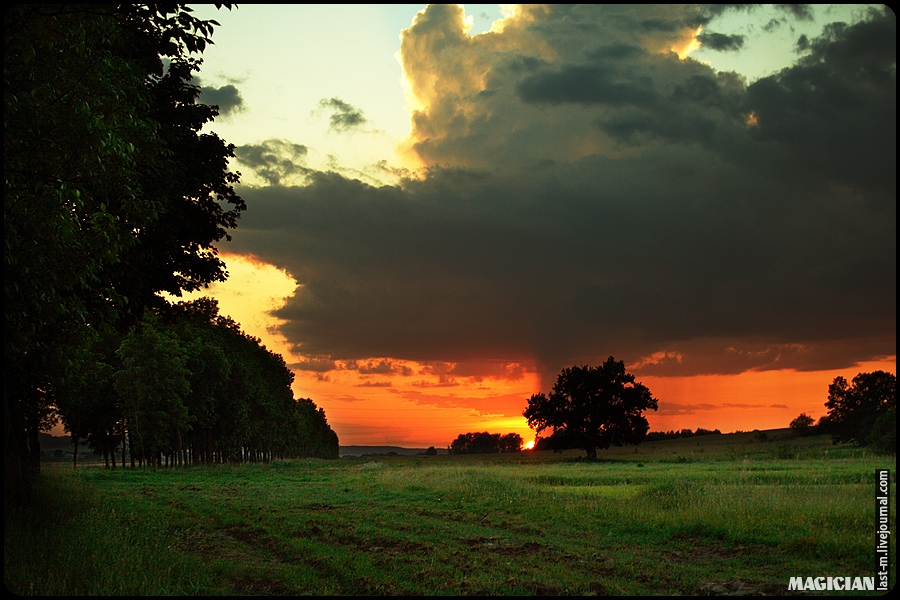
[(187, 386), (486, 443), (655, 436), (557, 441)]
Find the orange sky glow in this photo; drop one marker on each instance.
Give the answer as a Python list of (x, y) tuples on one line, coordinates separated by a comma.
[(386, 401), (456, 203)]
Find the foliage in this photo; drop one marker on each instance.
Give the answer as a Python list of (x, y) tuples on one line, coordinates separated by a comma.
[(684, 433), (883, 437), (486, 443), (86, 400), (153, 385), (857, 411), (593, 407), (803, 424), (111, 194), (187, 386)]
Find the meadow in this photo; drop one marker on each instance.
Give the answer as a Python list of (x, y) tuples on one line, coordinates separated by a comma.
[(711, 515)]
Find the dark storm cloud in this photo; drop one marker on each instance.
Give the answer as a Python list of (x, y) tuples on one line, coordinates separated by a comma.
[(586, 84), (276, 161), (802, 12), (318, 365), (680, 104), (721, 42), (834, 113), (344, 117), (671, 225), (773, 25), (227, 98)]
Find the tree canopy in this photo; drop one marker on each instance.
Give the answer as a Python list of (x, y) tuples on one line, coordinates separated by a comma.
[(864, 411), (803, 424), (188, 386), (486, 443), (593, 408), (111, 193)]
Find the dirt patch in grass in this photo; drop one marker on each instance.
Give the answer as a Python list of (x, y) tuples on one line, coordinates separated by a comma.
[(742, 588), (504, 546), (241, 544), (248, 586), (543, 589), (316, 506), (693, 550), (393, 546)]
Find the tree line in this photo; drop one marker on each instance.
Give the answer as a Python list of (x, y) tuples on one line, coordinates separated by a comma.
[(486, 443), (187, 386), (655, 436), (113, 196)]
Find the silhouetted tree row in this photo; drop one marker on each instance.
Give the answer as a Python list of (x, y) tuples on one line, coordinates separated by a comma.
[(486, 443), (111, 194), (187, 386), (655, 436)]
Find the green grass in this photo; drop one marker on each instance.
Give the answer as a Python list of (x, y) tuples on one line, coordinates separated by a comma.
[(725, 515)]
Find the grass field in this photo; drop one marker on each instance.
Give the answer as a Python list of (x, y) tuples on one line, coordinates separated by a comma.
[(725, 514)]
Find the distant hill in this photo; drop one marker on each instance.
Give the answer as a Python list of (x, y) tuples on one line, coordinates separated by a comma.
[(346, 451)]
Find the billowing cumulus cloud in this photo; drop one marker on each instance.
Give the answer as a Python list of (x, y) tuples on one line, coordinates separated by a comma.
[(589, 193)]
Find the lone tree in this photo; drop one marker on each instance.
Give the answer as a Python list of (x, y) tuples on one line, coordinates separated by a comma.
[(593, 407), (803, 424), (864, 411)]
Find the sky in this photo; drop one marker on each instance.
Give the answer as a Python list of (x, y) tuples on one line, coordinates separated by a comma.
[(448, 204)]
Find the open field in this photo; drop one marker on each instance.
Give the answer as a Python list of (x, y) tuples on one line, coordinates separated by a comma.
[(723, 514)]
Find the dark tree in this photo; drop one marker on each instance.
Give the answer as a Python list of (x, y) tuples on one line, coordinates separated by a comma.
[(110, 192), (153, 384), (187, 386), (593, 408), (883, 438), (859, 409), (486, 443), (511, 442), (803, 424)]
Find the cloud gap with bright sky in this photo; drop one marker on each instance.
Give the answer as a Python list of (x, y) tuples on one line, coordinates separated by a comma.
[(449, 204)]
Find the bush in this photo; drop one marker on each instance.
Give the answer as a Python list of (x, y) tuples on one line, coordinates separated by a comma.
[(883, 438)]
